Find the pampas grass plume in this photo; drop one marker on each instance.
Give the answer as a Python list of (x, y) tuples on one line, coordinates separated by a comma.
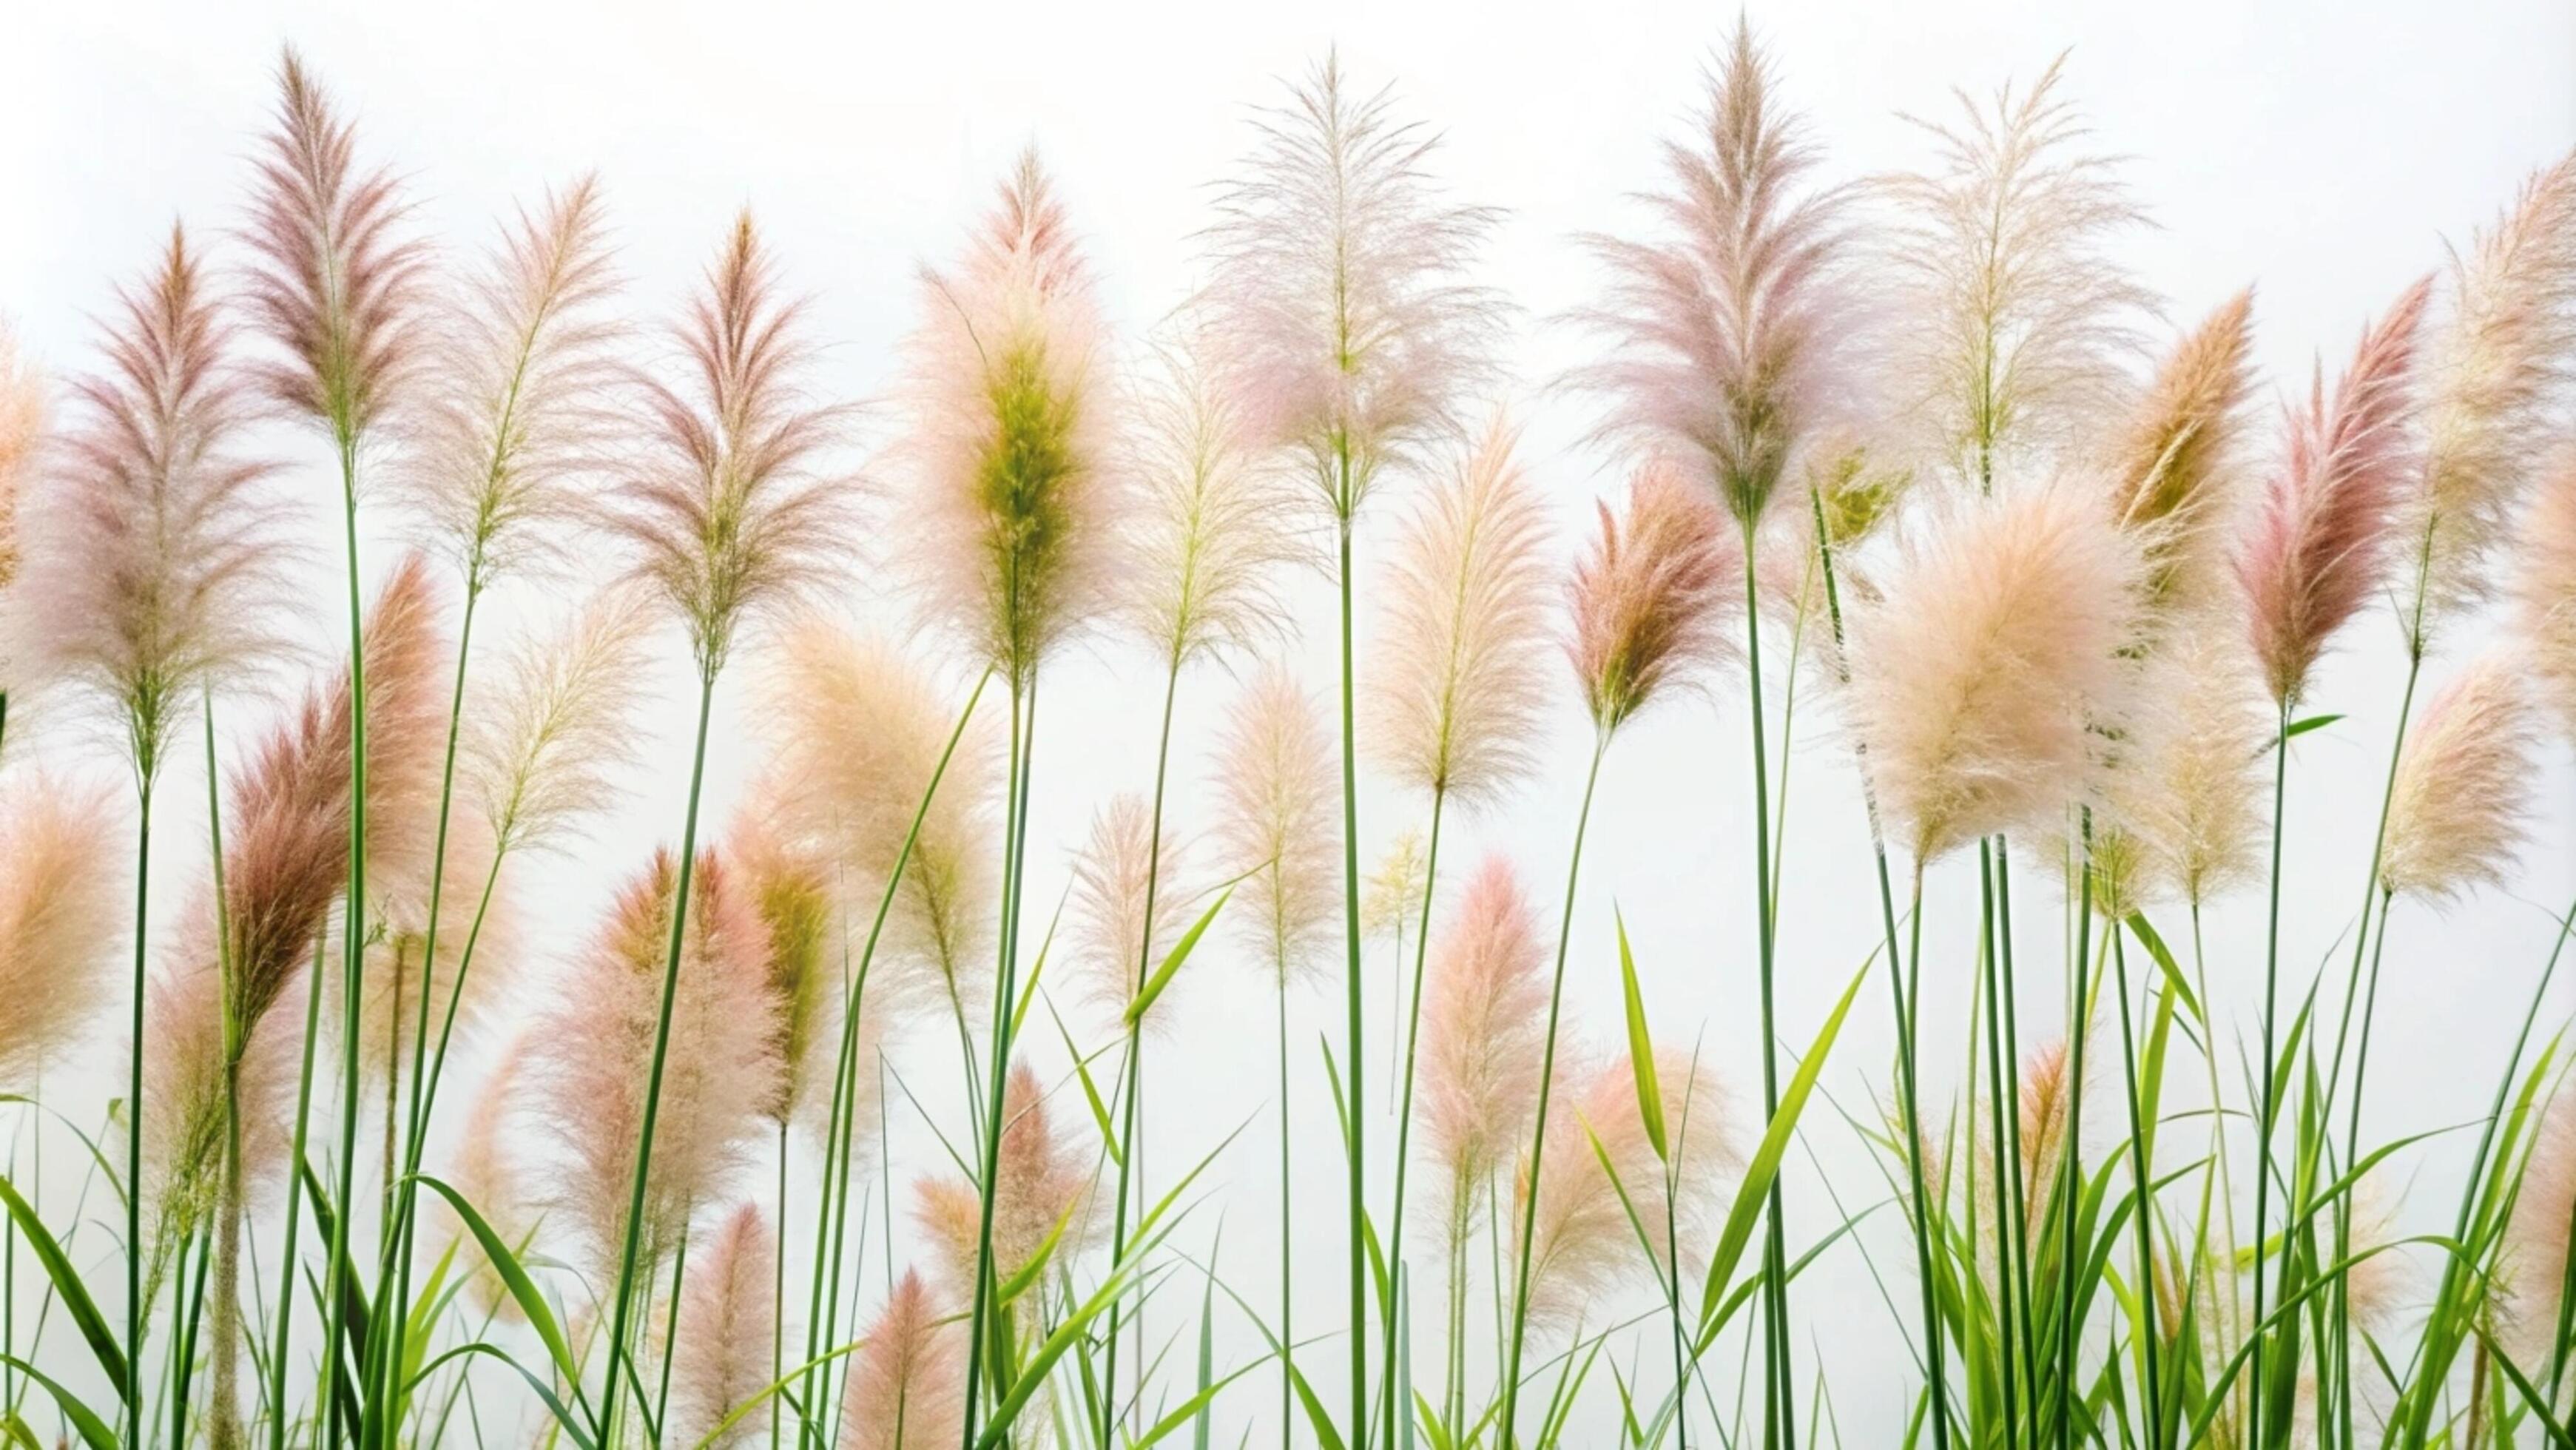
[(1484, 1026), (1278, 774), (61, 902), (1338, 300), (1456, 698), (546, 755), (1995, 650), (720, 1359), (1111, 937), (2175, 463), (2545, 590), (2319, 545), (22, 431), (1650, 597), (906, 1385), (2460, 806), (1040, 1179), (1727, 336)]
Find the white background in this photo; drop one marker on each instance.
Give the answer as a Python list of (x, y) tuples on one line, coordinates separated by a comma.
[(2323, 152)]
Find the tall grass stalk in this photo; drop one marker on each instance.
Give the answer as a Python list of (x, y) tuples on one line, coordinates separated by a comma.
[(352, 952), (1531, 1187), (985, 1312), (1779, 1406), (2267, 1108)]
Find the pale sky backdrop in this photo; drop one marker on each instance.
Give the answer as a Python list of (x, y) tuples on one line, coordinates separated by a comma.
[(2324, 152)]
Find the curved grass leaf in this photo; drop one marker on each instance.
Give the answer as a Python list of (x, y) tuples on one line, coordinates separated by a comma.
[(93, 1430), (103, 1342)]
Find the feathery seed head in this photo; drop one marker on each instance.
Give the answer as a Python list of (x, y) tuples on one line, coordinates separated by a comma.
[(1728, 336), (1016, 490), (1338, 298), (59, 918), (1997, 646), (1391, 897), (546, 755), (2497, 384), (720, 1359), (1115, 940), (855, 731), (729, 511), (1457, 696), (2534, 1261), (719, 1077), (1484, 1025), (2545, 590), (1651, 597), (791, 890), (1278, 820), (2174, 465), (518, 402), (906, 1388), (334, 285), (22, 432), (155, 549), (1040, 1179), (2460, 809), (2319, 546), (2005, 250)]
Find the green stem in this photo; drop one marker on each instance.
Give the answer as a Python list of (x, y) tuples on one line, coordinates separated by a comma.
[(2012, 1172), (2070, 1153), (622, 1314), (224, 1428), (2141, 1174), (2001, 1079), (285, 1323), (353, 939), (1779, 1409), (1287, 1255), (1404, 1114), (1546, 1086), (1352, 1094), (2264, 1119), (1130, 1171), (134, 1120), (1023, 733)]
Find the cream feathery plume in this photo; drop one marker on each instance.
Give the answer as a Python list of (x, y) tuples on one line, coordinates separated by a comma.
[(2042, 1104), (1107, 932), (2497, 376), (1997, 646), (478, 912), (719, 1077), (1727, 338), (1278, 775), (1457, 695), (2195, 783), (2537, 1236), (333, 285), (720, 1359), (906, 1384), (2545, 590), (1484, 1025), (22, 432), (517, 406), (184, 1129), (1041, 1179), (489, 1174), (2319, 546), (547, 755), (1338, 295), (855, 730), (1584, 1242), (2460, 807), (791, 890), (155, 549), (1016, 496), (2005, 247), (2173, 469), (1215, 524), (1650, 598), (1391, 896), (730, 514), (61, 913)]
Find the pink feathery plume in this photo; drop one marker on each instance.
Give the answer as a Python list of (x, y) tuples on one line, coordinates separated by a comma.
[(1277, 782), (22, 432), (334, 285), (1727, 335), (155, 547), (1584, 1242), (487, 1171), (1016, 498), (2537, 1235), (2498, 375), (2545, 590), (2461, 804), (1041, 1180), (1114, 942), (727, 508), (791, 890), (1484, 1024), (1457, 695), (719, 1077), (517, 411), (906, 1386), (2319, 546), (721, 1357), (2176, 463), (1998, 645), (1651, 597), (61, 905), (856, 730), (2005, 252), (1338, 298)]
